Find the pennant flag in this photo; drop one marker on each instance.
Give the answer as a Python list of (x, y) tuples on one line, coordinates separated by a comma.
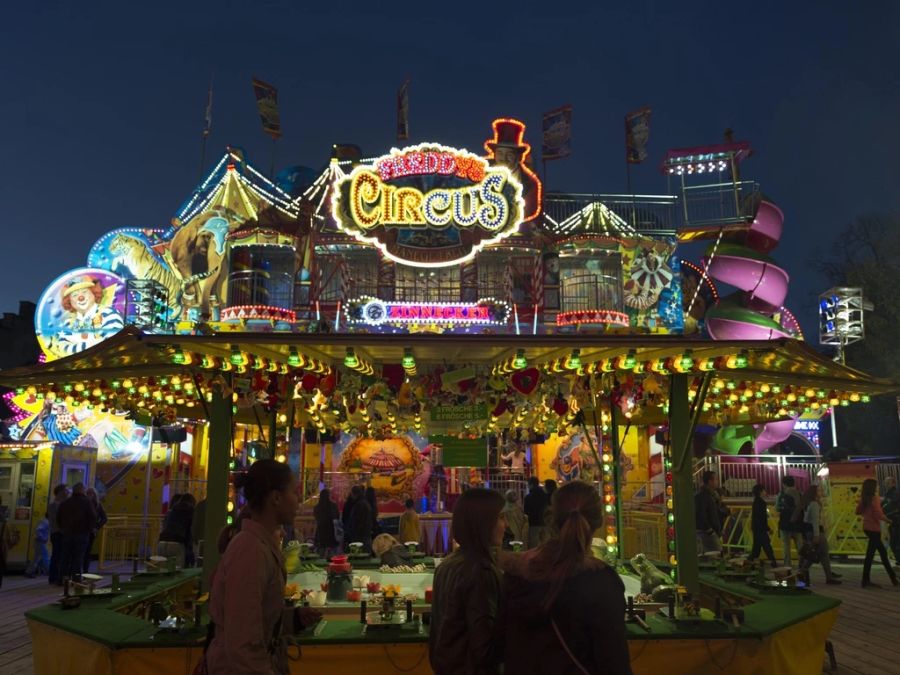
[(403, 112), (207, 127), (267, 103), (637, 133), (557, 128)]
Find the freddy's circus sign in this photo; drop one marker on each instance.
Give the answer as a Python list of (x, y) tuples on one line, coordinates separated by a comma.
[(429, 205)]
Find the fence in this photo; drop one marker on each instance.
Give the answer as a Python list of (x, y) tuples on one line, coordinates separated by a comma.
[(128, 537), (738, 475)]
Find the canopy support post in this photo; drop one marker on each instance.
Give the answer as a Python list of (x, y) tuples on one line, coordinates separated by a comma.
[(683, 484), (216, 478)]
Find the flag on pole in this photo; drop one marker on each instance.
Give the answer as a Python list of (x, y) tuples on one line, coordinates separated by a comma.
[(557, 128), (403, 112), (207, 118), (267, 104), (637, 133)]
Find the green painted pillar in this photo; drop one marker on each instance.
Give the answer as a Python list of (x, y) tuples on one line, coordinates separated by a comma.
[(683, 484), (216, 478)]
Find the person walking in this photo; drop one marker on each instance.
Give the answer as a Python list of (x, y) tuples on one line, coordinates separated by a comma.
[(536, 502), (516, 520), (410, 528), (759, 525), (869, 508), (60, 494), (325, 512), (77, 519), (246, 608), (40, 559), (465, 602), (708, 514), (790, 517), (816, 536), (890, 504), (91, 494), (562, 609)]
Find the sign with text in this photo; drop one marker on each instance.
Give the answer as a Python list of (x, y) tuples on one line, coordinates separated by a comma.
[(459, 413), (430, 205), (461, 451), (374, 312)]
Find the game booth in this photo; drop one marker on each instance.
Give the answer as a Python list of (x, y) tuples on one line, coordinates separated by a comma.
[(409, 322)]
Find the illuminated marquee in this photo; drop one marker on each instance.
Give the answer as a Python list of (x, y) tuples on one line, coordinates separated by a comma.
[(375, 312), (429, 205)]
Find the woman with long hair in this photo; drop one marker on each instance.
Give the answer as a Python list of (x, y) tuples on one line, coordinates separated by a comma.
[(467, 590), (325, 513), (869, 508), (564, 609), (247, 597), (815, 535)]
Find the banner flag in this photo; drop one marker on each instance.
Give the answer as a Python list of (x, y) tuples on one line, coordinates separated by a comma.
[(267, 103), (557, 128), (637, 133), (207, 118), (403, 112)]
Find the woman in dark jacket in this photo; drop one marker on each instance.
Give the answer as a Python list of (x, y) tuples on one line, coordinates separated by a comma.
[(356, 493), (462, 639), (372, 499), (325, 513), (176, 539), (563, 611)]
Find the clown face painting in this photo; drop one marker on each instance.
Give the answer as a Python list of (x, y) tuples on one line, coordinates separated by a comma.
[(78, 311)]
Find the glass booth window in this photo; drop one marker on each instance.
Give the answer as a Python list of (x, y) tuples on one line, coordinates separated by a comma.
[(421, 284), (588, 283), (262, 276), (360, 277), (497, 272)]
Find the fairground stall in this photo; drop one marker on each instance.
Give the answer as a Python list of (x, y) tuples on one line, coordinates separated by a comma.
[(411, 321)]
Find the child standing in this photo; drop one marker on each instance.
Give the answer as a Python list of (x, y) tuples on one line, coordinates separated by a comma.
[(40, 560), (409, 524), (759, 524)]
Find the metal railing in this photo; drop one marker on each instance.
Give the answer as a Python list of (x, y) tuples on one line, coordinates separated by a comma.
[(738, 475), (719, 203), (583, 292), (650, 214), (193, 486), (644, 532), (128, 537)]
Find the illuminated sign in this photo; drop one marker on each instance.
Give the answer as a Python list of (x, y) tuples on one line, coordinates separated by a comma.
[(588, 316), (375, 312), (433, 206)]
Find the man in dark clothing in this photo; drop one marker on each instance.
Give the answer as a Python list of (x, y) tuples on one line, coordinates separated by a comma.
[(176, 540), (77, 519), (361, 523), (708, 514), (60, 494), (759, 524), (890, 504), (356, 493), (536, 503)]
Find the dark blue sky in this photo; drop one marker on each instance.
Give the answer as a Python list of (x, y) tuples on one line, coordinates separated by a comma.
[(103, 107)]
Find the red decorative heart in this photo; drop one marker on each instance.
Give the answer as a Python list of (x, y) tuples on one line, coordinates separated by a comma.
[(526, 381), (560, 407), (328, 383), (499, 409), (309, 382)]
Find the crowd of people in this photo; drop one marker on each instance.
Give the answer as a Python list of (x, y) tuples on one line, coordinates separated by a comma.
[(70, 525), (801, 525), (552, 609)]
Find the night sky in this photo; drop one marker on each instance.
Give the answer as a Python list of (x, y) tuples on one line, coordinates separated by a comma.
[(103, 108)]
